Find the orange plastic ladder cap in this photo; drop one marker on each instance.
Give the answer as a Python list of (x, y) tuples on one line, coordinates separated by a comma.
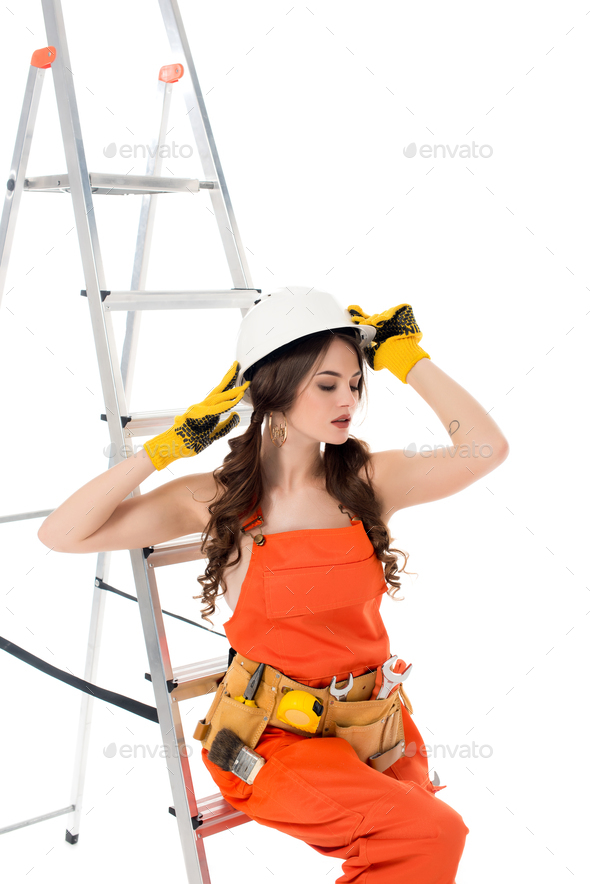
[(171, 73), (43, 58)]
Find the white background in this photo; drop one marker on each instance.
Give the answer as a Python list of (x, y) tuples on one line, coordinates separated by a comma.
[(311, 108)]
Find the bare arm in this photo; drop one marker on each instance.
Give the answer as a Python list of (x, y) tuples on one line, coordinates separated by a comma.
[(89, 507), (97, 518), (405, 478), (464, 419)]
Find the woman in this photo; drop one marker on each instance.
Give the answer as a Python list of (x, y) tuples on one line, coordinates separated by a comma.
[(320, 518)]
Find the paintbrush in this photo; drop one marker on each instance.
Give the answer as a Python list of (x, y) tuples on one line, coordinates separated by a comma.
[(229, 753)]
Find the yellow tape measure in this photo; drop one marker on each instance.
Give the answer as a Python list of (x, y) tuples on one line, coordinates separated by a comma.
[(301, 710)]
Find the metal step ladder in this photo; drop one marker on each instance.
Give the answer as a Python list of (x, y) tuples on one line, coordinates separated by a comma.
[(195, 818)]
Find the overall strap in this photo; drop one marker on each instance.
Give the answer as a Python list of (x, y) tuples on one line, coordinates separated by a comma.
[(253, 521)]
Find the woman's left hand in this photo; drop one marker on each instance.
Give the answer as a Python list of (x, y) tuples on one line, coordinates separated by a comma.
[(397, 335)]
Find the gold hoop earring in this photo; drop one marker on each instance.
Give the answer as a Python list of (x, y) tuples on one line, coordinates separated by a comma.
[(279, 432)]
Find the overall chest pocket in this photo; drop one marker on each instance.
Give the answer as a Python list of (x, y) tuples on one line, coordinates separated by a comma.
[(293, 592)]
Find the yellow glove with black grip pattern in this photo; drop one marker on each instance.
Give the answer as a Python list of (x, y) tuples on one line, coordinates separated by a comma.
[(198, 427), (397, 335)]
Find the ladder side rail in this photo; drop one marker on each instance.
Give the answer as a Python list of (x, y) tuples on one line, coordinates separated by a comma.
[(103, 562), (175, 739), (169, 718), (86, 227), (203, 135), (145, 231), (202, 858), (14, 191), (186, 806), (87, 702), (81, 192), (128, 358), (18, 167)]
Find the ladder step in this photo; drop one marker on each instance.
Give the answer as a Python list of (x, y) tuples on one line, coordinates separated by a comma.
[(198, 679), (143, 300), (110, 185), (151, 423), (213, 666), (218, 814), (187, 549)]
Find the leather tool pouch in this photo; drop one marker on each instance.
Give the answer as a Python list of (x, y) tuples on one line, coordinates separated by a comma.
[(374, 728), (248, 722)]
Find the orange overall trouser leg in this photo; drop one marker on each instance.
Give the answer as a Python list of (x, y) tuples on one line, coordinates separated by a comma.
[(318, 790)]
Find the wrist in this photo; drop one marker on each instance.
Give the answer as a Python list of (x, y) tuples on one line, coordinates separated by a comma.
[(399, 356), (165, 448)]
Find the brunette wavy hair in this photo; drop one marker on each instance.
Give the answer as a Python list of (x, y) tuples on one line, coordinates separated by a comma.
[(275, 380)]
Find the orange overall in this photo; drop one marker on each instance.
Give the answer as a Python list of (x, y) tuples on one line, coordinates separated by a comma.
[(310, 607)]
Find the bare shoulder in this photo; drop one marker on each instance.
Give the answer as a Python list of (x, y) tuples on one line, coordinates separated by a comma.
[(172, 509)]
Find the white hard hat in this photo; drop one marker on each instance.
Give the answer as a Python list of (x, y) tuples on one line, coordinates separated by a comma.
[(284, 316)]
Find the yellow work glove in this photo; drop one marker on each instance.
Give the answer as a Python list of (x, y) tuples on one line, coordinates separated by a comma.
[(198, 427), (395, 345)]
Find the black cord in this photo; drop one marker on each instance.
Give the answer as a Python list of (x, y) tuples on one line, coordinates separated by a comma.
[(102, 585)]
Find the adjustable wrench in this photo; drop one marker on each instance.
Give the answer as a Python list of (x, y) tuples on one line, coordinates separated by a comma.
[(391, 678), (340, 693)]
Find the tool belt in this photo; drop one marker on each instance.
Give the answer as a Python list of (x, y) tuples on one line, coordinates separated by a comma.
[(374, 728)]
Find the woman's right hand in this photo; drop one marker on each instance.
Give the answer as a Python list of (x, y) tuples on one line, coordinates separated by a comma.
[(198, 427)]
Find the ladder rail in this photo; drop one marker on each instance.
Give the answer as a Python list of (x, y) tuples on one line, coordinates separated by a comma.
[(18, 167), (87, 702), (203, 135), (85, 219), (145, 232), (115, 406)]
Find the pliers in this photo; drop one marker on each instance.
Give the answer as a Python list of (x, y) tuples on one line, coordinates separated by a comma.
[(248, 696)]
